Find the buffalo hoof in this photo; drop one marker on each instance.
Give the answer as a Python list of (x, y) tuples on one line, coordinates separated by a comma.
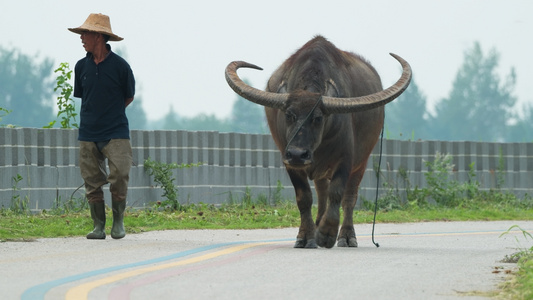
[(302, 243), (352, 242), (324, 240)]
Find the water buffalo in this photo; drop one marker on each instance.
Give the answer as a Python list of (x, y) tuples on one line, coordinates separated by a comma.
[(325, 111)]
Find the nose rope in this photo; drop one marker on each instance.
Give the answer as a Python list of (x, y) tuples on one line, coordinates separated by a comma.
[(377, 179), (302, 124)]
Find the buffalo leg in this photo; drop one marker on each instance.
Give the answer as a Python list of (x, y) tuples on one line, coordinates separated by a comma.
[(347, 237), (304, 200), (326, 233), (321, 187)]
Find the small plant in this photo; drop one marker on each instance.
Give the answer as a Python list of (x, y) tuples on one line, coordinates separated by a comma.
[(18, 205), (277, 195), (262, 200), (4, 112), (247, 198), (472, 186), (65, 103), (231, 200), (71, 205), (441, 188), (500, 175), (163, 176), (523, 252)]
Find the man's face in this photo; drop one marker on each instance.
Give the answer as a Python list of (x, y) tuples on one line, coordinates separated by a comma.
[(90, 40)]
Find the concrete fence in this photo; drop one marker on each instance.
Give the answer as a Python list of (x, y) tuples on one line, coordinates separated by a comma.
[(41, 166)]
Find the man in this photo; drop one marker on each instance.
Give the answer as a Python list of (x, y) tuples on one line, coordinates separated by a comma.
[(104, 81)]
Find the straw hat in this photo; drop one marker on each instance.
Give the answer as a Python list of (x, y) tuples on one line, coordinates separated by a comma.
[(97, 23)]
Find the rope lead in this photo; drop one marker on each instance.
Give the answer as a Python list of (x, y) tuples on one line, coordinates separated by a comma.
[(377, 185)]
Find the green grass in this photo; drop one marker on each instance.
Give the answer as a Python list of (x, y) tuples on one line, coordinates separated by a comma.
[(522, 287), (203, 216), (15, 226), (520, 284)]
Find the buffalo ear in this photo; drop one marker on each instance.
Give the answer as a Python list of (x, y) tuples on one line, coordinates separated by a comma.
[(282, 89), (331, 89)]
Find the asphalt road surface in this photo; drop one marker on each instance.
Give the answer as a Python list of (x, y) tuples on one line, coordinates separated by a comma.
[(434, 260)]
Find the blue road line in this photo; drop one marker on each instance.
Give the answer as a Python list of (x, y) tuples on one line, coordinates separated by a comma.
[(39, 291)]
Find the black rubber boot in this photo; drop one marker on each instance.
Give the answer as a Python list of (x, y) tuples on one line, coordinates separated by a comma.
[(118, 231), (98, 216)]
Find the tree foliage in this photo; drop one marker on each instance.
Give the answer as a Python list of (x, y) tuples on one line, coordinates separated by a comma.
[(248, 117), (479, 107), (245, 117), (205, 122), (201, 122), (26, 88), (522, 130), (405, 117), (136, 114)]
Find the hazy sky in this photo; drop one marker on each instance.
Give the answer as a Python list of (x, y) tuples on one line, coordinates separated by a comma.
[(178, 50)]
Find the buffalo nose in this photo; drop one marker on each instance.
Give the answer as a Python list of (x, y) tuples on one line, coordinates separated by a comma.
[(297, 156)]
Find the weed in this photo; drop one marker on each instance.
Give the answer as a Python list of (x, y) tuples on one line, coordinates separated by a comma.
[(524, 252), (442, 189), (71, 205), (163, 176), (65, 103), (500, 176), (277, 195), (18, 205), (262, 199), (231, 200), (246, 200), (4, 112), (521, 286)]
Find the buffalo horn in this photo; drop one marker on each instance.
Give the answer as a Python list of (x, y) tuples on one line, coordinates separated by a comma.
[(260, 97), (349, 105), (331, 105)]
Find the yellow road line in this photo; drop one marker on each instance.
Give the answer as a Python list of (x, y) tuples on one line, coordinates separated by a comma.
[(81, 292), (423, 234)]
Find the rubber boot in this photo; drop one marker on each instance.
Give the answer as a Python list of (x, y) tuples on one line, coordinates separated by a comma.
[(98, 216), (118, 231)]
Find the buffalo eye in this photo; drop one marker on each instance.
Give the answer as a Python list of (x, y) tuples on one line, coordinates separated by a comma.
[(317, 120), (290, 117)]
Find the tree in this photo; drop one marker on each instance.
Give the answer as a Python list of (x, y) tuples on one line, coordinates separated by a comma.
[(203, 122), (522, 130), (171, 120), (405, 117), (479, 105), (26, 88), (136, 114), (247, 117)]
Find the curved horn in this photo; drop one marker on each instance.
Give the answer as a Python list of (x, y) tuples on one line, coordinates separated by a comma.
[(349, 105), (273, 100)]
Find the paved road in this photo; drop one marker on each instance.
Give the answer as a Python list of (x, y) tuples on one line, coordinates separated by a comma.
[(436, 260)]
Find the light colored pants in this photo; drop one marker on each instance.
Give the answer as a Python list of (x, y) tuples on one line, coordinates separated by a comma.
[(93, 170)]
